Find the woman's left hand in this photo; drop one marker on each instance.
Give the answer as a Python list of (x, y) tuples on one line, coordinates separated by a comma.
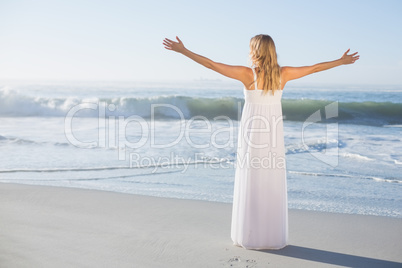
[(175, 46)]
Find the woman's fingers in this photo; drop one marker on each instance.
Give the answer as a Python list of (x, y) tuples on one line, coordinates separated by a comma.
[(171, 41), (172, 45), (348, 59), (354, 58), (168, 43)]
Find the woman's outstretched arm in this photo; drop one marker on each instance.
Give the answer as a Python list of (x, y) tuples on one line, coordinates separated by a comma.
[(291, 73), (236, 72)]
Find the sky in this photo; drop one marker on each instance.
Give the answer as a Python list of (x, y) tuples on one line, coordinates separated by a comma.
[(122, 40)]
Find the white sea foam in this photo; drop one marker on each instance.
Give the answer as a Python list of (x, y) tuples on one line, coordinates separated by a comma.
[(357, 156), (315, 174), (397, 162)]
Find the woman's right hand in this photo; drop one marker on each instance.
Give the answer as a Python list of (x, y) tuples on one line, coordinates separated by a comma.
[(349, 59), (175, 46)]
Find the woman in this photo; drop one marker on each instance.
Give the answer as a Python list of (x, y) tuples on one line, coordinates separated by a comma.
[(260, 213)]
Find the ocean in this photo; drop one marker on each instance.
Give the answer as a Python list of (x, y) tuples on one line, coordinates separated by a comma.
[(178, 140)]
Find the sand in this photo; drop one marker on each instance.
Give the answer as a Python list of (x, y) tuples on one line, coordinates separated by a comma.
[(43, 226)]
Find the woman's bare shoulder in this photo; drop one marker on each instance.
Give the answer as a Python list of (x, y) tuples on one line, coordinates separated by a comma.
[(248, 78), (284, 75)]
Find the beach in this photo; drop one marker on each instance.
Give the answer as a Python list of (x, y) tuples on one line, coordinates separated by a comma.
[(142, 174), (45, 226)]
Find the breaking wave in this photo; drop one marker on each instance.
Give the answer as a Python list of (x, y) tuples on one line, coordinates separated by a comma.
[(168, 107)]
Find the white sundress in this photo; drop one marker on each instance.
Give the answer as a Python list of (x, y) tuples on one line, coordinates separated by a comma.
[(260, 210)]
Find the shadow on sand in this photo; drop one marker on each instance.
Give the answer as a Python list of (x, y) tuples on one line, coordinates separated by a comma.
[(329, 257)]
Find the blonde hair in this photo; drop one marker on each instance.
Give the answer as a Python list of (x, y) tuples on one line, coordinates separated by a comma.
[(263, 57)]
